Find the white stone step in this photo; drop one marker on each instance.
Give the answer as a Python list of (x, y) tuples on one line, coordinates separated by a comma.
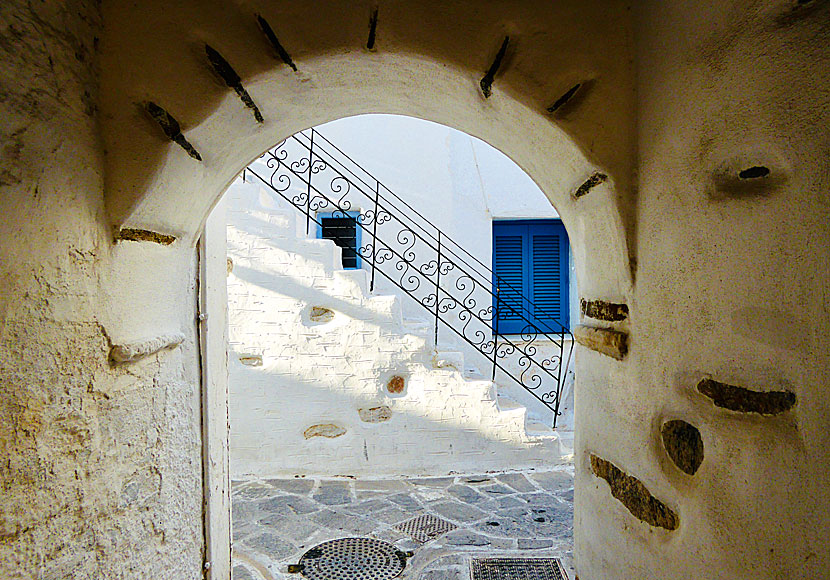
[(473, 372), (448, 359), (388, 306), (507, 404), (536, 429), (358, 277), (486, 390), (566, 442), (418, 327)]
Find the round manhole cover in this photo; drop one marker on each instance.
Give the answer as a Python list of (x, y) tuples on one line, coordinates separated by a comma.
[(353, 559)]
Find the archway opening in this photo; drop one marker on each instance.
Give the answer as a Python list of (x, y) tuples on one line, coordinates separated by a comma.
[(378, 329)]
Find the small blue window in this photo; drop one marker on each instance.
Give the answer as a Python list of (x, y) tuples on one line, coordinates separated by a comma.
[(530, 282), (341, 228)]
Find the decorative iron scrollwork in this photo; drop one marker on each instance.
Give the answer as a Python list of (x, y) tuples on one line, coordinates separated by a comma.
[(403, 247)]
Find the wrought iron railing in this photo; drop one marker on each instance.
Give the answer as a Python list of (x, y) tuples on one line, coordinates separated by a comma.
[(404, 248)]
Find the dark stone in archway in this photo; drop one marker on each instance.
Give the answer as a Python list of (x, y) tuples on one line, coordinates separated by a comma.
[(684, 445), (745, 401), (631, 492), (602, 310)]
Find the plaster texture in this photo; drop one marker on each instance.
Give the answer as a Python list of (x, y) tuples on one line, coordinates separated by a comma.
[(724, 276), (101, 469), (361, 391)]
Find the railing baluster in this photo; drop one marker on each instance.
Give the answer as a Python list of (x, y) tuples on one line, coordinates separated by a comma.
[(495, 329), (308, 191), (437, 288), (375, 236)]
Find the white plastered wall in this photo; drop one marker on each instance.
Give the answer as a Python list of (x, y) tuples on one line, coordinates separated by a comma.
[(101, 468), (731, 283), (438, 180), (309, 392)]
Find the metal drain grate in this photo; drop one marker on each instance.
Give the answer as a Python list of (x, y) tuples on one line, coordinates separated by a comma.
[(352, 559), (425, 528), (524, 568)]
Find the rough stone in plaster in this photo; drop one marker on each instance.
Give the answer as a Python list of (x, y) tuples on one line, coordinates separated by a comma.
[(328, 430), (231, 78), (321, 314), (748, 176), (486, 82), (375, 414), (396, 385), (743, 400), (684, 445), (631, 492), (589, 184), (602, 310), (136, 235), (275, 43), (171, 127), (609, 342), (571, 98), (251, 360), (229, 266), (373, 29), (134, 351)]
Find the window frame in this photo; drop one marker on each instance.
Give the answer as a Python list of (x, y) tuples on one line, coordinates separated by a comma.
[(548, 325), (320, 216)]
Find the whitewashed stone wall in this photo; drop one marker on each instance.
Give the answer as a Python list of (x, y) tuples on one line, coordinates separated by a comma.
[(100, 470), (450, 182), (312, 357)]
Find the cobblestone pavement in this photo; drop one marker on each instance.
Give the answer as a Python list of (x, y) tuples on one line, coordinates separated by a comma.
[(523, 515)]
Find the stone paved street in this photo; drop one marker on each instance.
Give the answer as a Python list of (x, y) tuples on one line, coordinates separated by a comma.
[(524, 515)]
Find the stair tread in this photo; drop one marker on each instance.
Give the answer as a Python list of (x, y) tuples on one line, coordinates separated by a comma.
[(537, 429), (506, 404)]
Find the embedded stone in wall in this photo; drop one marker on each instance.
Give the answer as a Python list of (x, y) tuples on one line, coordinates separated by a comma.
[(746, 401), (327, 430), (396, 385), (602, 310), (684, 445), (631, 492), (565, 98), (589, 184), (137, 235), (320, 314), (609, 342), (375, 414), (132, 352), (230, 265), (251, 360)]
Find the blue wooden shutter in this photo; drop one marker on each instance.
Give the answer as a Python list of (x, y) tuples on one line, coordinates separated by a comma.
[(530, 258), (549, 275), (509, 242)]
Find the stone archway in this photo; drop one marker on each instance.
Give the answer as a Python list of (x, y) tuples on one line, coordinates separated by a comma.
[(571, 133), (720, 133)]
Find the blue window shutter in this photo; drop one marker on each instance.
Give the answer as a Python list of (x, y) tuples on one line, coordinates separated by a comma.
[(530, 258), (549, 273), (509, 267)]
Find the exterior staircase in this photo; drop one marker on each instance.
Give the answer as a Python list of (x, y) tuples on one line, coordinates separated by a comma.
[(324, 374)]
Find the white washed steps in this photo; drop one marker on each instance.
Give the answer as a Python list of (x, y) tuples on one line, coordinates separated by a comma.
[(393, 344)]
